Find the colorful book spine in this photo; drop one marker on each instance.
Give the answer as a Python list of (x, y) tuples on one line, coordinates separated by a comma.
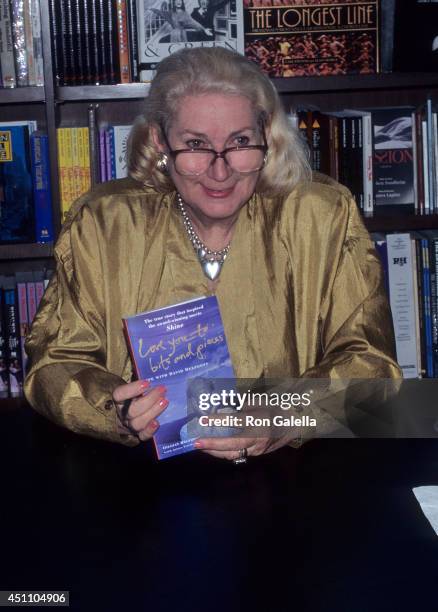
[(123, 41), (4, 374), (23, 318), (37, 43), (31, 300), (102, 154), (427, 308), (28, 35), (39, 292), (13, 350), (6, 46), (39, 144)]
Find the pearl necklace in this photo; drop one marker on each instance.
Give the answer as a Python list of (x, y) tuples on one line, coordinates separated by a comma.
[(211, 261)]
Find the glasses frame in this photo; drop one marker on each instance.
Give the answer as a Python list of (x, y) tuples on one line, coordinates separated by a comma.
[(173, 153)]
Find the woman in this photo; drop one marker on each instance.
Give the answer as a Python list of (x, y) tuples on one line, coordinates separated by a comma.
[(177, 22), (217, 175)]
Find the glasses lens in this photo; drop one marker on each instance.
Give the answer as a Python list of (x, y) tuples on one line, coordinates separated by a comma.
[(245, 160), (193, 162)]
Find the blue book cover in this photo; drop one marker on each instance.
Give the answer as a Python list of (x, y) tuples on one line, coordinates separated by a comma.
[(16, 191), (39, 145), (182, 346)]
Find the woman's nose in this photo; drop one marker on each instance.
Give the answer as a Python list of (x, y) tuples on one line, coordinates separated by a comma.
[(219, 170)]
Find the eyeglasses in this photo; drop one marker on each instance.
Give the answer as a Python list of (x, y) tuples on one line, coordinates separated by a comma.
[(195, 162)]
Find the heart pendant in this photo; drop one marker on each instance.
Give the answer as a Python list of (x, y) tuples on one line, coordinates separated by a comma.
[(211, 269)]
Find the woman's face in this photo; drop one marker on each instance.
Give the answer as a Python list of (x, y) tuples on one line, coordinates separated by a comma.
[(218, 122)]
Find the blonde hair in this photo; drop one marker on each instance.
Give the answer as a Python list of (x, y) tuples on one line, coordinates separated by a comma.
[(217, 70)]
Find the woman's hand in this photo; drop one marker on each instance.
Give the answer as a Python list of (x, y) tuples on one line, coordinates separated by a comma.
[(138, 404), (228, 448)]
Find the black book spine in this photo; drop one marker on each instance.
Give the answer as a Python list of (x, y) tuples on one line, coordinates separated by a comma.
[(433, 302), (70, 42), (86, 42), (4, 374), (132, 37), (110, 38), (77, 38), (94, 42), (13, 349), (421, 315), (56, 42), (101, 38), (66, 57)]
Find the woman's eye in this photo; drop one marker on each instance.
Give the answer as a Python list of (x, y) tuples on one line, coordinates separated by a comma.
[(194, 143), (242, 141)]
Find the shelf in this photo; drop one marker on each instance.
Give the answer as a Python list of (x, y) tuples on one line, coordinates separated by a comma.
[(26, 251), (395, 80), (401, 223), (81, 93), (22, 95)]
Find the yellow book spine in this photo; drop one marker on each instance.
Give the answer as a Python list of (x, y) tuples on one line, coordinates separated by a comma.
[(76, 164), (81, 160), (87, 165), (62, 169)]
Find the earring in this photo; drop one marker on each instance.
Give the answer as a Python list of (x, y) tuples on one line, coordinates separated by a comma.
[(161, 164)]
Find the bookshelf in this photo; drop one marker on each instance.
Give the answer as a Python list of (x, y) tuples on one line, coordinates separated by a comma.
[(54, 106)]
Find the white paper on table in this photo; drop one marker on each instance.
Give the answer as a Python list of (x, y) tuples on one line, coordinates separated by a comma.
[(427, 497)]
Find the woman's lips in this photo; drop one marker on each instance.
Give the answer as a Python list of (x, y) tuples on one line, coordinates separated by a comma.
[(218, 193)]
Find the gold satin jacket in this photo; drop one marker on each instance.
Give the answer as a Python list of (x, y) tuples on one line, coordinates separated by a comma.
[(300, 294)]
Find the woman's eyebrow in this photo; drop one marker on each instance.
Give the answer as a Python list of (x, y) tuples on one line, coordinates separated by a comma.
[(190, 132)]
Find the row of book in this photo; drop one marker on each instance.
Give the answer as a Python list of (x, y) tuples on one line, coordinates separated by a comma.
[(21, 51), (410, 263), (25, 187), (20, 296), (387, 157), (78, 155)]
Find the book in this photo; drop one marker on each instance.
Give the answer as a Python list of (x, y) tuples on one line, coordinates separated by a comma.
[(6, 46), (393, 158), (119, 135), (312, 38), (170, 346), (415, 36), (13, 342), (16, 189), (39, 144), (4, 377), (166, 26), (401, 292), (19, 42)]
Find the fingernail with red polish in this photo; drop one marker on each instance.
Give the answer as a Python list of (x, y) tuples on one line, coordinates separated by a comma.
[(145, 384), (161, 389), (198, 444), (163, 403), (154, 424)]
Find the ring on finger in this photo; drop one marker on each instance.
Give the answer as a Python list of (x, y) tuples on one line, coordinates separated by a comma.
[(242, 457)]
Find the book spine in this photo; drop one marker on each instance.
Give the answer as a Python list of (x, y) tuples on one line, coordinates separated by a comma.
[(334, 148), (419, 148), (422, 336), (427, 308), (29, 42), (108, 154), (6, 46), (401, 298), (316, 142), (77, 38), (415, 157), (66, 56), (76, 164), (56, 38), (433, 304), (86, 158), (37, 43), (112, 152), (133, 40), (102, 27), (4, 374), (387, 8), (123, 42), (93, 145), (19, 43), (435, 155), (111, 38), (13, 346), (425, 166), (367, 138), (102, 156), (39, 292), (86, 42), (70, 40), (431, 155), (23, 322), (31, 300), (416, 305), (42, 187), (94, 42)]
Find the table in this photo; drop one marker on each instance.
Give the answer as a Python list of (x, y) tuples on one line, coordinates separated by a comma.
[(332, 527)]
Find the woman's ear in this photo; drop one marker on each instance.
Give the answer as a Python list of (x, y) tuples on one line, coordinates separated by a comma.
[(156, 138)]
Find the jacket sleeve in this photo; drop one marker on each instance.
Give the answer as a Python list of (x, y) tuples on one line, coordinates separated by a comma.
[(355, 322), (68, 380)]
